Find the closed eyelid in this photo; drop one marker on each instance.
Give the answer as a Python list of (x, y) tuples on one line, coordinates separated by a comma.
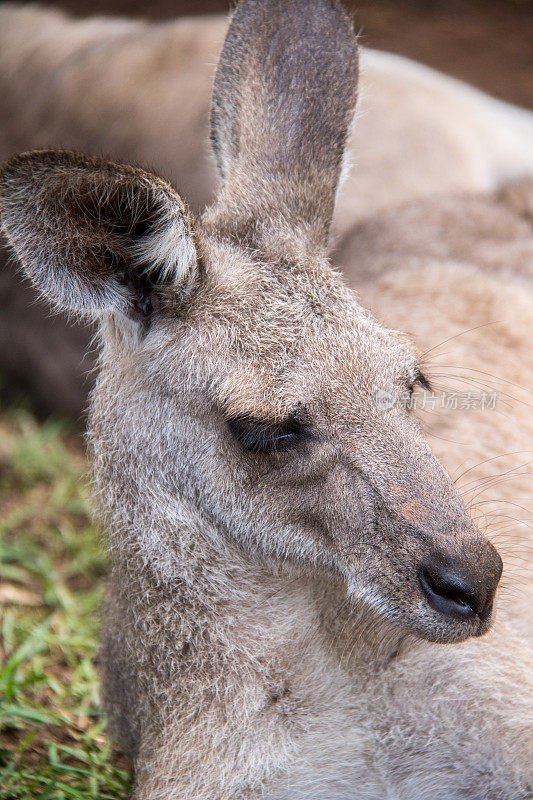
[(260, 423), (262, 435)]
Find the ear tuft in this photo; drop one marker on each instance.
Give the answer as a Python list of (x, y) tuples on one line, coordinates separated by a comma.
[(92, 235), (166, 251)]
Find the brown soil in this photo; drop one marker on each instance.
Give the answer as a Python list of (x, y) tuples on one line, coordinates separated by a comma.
[(488, 43)]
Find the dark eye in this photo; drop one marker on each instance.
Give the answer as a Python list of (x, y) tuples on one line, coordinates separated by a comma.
[(422, 381), (262, 436)]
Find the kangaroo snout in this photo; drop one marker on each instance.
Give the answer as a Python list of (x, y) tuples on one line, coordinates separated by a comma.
[(442, 572), (462, 589)]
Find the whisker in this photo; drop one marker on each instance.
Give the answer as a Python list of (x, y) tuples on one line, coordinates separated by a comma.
[(487, 460), (484, 372), (509, 502), (457, 335), (479, 385), (484, 481)]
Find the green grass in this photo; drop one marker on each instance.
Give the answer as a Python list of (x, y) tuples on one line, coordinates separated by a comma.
[(52, 564)]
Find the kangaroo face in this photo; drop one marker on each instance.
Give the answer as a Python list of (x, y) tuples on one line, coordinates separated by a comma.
[(239, 376), (276, 377)]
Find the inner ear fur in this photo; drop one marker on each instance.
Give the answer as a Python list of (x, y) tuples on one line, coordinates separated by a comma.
[(93, 235), (283, 100)]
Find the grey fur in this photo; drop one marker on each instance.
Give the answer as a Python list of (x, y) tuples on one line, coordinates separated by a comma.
[(266, 634)]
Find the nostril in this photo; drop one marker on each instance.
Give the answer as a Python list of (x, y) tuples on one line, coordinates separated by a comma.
[(450, 593)]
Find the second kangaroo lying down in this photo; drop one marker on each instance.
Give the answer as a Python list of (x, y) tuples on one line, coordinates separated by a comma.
[(139, 91), (298, 591)]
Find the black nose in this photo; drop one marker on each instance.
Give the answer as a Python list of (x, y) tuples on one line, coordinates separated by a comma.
[(454, 590)]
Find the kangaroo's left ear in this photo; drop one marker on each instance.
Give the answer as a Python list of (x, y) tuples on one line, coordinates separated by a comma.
[(95, 236)]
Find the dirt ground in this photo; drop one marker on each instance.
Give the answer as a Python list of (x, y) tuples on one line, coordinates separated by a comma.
[(488, 43)]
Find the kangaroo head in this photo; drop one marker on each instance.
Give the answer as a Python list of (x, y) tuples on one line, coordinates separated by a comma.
[(240, 378)]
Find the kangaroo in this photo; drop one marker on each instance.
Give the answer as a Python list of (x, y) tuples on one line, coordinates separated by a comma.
[(299, 597), (139, 92)]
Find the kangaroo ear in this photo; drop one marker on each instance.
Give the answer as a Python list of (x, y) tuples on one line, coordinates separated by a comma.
[(283, 100), (95, 236)]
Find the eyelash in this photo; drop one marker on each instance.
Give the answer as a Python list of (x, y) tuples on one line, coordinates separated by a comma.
[(260, 437), (422, 381)]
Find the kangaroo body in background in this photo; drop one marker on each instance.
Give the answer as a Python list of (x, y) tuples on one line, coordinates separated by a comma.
[(298, 591), (139, 92)]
